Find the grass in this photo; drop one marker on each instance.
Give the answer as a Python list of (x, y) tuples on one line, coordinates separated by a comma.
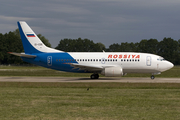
[(71, 101), (40, 71)]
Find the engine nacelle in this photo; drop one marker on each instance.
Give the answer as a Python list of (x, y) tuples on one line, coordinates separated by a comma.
[(112, 72)]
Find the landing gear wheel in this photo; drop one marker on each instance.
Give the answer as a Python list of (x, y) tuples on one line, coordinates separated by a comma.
[(152, 77), (97, 76), (94, 76)]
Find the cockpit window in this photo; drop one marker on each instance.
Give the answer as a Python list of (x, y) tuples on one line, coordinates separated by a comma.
[(161, 59)]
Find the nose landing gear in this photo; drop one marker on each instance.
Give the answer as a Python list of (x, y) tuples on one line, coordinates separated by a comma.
[(94, 76)]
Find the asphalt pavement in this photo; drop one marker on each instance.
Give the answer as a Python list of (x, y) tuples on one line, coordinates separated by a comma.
[(77, 79)]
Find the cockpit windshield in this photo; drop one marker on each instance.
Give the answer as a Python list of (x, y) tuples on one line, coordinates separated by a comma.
[(161, 59)]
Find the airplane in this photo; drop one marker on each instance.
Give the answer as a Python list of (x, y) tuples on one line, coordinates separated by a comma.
[(109, 64)]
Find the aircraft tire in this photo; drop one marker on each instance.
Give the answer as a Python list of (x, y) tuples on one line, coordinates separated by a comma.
[(152, 77), (94, 76)]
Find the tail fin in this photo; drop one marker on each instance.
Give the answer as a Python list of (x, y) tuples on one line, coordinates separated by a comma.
[(31, 42)]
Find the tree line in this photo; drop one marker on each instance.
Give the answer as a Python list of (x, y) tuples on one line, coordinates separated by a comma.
[(167, 48)]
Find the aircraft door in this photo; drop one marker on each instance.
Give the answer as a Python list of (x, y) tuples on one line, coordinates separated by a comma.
[(49, 60), (148, 60)]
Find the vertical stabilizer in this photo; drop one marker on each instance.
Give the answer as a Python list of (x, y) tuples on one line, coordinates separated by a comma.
[(31, 42)]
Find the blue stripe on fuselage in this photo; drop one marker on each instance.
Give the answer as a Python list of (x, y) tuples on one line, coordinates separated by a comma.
[(56, 59)]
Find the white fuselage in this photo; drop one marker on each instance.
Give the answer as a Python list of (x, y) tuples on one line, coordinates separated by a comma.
[(130, 62)]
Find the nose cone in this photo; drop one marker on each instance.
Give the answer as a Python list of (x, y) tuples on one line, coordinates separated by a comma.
[(166, 66), (170, 65)]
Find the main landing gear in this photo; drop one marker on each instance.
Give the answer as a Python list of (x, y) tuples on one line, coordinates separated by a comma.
[(152, 77), (94, 76)]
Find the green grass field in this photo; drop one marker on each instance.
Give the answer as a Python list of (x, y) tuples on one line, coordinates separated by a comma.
[(72, 101), (103, 101), (40, 71)]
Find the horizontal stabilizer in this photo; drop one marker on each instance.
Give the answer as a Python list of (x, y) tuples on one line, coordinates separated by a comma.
[(23, 55)]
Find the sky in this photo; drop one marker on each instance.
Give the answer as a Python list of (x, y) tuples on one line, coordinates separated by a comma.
[(105, 21)]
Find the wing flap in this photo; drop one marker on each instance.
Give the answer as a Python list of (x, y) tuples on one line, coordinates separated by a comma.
[(23, 55)]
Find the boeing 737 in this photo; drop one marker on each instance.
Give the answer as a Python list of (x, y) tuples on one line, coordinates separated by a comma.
[(110, 64)]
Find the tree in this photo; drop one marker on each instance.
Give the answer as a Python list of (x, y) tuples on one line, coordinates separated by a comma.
[(114, 48), (168, 48), (79, 45), (100, 47), (44, 40), (12, 43), (2, 47), (123, 47), (148, 46), (152, 46), (128, 47), (142, 46)]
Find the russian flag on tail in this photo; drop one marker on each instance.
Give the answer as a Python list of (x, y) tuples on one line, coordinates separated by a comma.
[(30, 35)]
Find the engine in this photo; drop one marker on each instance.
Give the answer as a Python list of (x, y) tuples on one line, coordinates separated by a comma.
[(112, 72)]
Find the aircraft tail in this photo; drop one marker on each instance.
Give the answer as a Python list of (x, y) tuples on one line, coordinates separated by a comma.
[(31, 42)]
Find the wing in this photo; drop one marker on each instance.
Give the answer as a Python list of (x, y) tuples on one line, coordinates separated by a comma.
[(91, 68)]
